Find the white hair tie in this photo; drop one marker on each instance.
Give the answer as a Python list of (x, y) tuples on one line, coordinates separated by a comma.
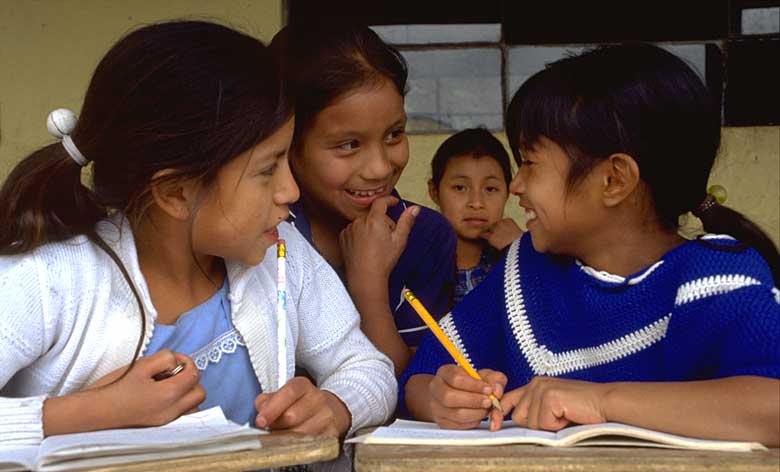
[(60, 123)]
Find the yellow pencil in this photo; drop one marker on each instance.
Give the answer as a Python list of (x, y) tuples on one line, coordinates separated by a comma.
[(446, 342)]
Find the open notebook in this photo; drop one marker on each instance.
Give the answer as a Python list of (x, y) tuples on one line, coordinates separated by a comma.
[(201, 433), (604, 434)]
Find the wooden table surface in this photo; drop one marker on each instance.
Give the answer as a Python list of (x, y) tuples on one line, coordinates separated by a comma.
[(396, 458), (279, 449)]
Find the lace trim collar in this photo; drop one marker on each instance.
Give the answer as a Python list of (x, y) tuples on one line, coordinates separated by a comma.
[(225, 343)]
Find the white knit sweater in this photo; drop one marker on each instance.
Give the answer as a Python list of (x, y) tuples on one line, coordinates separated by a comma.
[(68, 317)]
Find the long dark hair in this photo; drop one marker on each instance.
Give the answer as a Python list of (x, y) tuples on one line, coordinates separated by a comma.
[(640, 100), (477, 142), (322, 62), (184, 95)]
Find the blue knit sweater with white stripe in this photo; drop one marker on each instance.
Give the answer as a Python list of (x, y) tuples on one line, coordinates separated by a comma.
[(700, 312)]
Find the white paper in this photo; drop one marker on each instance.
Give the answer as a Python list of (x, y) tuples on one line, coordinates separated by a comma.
[(13, 458), (203, 432), (417, 432), (102, 461)]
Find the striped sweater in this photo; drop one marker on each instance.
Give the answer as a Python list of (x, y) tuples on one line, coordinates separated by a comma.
[(701, 312)]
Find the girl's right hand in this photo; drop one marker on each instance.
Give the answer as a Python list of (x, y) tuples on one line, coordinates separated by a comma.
[(144, 401), (133, 400), (459, 401), (372, 244)]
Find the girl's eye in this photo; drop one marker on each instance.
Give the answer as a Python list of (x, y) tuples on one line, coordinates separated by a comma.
[(270, 170), (491, 189), (349, 145), (395, 135), (459, 187)]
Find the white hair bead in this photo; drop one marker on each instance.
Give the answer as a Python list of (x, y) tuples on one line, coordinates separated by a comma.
[(61, 122)]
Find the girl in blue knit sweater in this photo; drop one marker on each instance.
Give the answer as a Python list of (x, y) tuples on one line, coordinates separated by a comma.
[(602, 311)]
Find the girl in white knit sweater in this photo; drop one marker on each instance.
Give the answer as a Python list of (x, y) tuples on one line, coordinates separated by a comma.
[(166, 260)]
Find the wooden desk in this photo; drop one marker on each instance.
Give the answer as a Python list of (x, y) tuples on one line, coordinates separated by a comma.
[(393, 458), (279, 449)]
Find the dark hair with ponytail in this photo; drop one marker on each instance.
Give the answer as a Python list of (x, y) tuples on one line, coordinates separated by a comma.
[(322, 62), (184, 95), (644, 101)]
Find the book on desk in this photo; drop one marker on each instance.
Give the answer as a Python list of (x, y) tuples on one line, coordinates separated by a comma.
[(201, 433), (603, 434)]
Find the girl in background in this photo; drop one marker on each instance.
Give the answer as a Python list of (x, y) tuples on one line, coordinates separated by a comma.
[(169, 255), (602, 312), (348, 151), (470, 175)]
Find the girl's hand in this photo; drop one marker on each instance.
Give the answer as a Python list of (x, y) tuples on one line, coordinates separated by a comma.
[(551, 403), (144, 401), (459, 401), (134, 400), (372, 244), (301, 407), (502, 233)]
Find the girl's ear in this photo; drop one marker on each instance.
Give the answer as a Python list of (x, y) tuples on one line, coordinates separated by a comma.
[(620, 177), (176, 197), (433, 192)]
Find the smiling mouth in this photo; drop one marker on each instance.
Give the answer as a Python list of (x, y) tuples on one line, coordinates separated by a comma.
[(529, 214), (366, 193)]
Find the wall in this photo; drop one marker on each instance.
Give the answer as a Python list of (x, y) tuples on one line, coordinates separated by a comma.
[(48, 50)]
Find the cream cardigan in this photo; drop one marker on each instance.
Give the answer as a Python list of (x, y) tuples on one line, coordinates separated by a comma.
[(68, 317)]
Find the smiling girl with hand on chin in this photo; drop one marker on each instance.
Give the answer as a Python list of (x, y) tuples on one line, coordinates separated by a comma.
[(348, 152)]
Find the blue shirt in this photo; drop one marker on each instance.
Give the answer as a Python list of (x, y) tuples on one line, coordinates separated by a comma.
[(426, 267), (699, 313), (469, 278), (207, 335)]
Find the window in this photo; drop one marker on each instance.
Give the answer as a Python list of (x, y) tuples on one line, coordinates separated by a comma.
[(467, 58)]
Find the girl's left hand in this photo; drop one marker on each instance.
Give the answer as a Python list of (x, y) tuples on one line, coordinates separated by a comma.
[(502, 233), (551, 403), (301, 407)]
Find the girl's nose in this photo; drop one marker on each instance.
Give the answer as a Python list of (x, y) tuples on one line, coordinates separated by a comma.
[(475, 199), (377, 166), (517, 185), (287, 190)]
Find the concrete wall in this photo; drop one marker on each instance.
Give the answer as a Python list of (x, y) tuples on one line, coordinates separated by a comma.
[(49, 48)]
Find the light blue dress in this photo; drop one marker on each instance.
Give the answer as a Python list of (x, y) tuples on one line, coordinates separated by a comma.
[(206, 334)]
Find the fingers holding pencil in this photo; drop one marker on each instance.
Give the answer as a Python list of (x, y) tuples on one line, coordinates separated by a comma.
[(447, 343), (459, 401), (490, 383), (497, 381)]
